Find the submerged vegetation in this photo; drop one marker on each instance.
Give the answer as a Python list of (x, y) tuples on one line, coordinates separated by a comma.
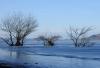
[(48, 41), (17, 27), (79, 36)]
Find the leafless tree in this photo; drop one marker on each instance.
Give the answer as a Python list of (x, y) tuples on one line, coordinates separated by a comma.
[(78, 36), (48, 41), (17, 28)]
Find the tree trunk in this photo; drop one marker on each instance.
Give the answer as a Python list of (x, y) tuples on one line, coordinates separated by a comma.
[(22, 42), (18, 43)]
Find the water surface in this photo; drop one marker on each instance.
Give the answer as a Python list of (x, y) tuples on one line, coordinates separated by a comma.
[(45, 61)]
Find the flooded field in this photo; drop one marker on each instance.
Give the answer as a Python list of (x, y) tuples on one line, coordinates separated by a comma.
[(41, 58)]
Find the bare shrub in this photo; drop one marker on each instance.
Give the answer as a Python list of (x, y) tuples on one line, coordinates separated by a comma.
[(48, 41)]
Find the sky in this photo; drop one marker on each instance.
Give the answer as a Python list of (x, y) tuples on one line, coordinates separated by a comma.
[(55, 16)]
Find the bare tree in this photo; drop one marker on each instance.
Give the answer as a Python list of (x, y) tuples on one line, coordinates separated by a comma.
[(17, 28), (78, 36), (48, 41)]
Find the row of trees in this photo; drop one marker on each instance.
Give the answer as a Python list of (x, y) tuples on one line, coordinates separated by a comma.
[(18, 27)]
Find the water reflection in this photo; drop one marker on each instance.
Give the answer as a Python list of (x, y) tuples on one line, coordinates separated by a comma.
[(18, 55)]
